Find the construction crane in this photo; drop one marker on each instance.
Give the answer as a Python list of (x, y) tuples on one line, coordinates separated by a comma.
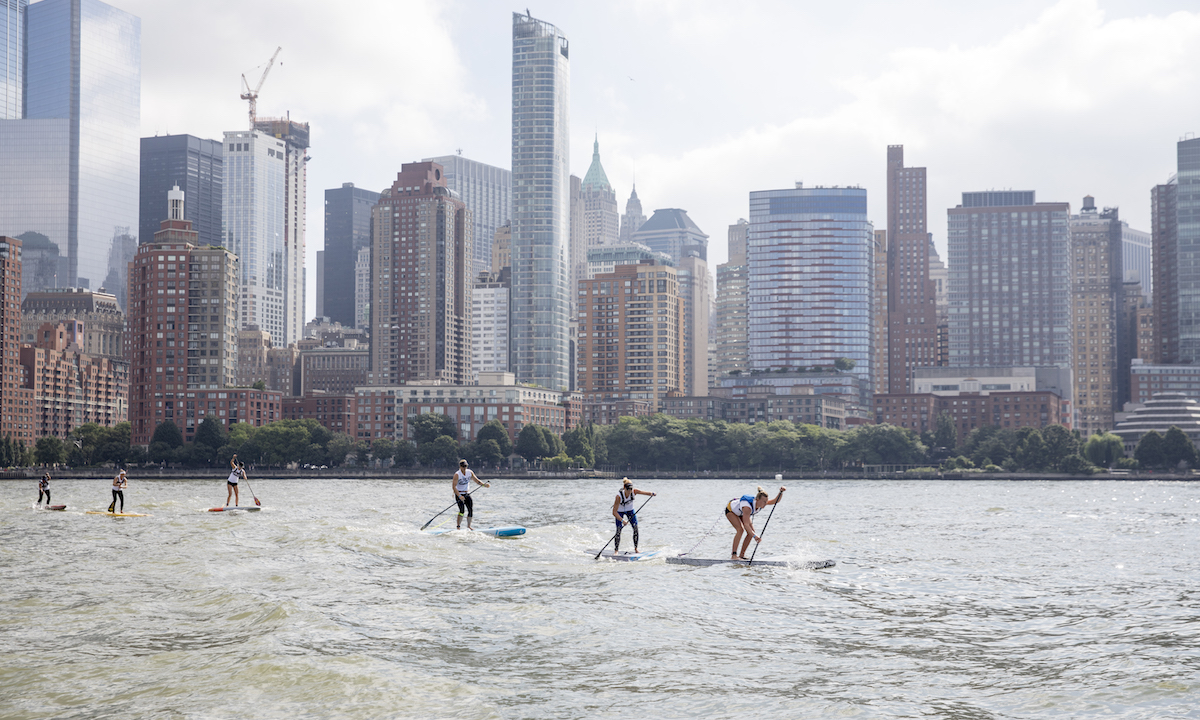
[(252, 95)]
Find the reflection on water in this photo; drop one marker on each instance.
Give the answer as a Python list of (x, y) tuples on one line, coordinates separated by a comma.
[(970, 600)]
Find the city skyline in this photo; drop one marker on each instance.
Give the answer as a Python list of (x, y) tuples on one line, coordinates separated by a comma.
[(1127, 65)]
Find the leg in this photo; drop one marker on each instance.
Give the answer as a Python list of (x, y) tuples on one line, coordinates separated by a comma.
[(461, 508), (736, 522), (113, 507), (470, 510), (228, 493), (236, 501), (47, 496), (121, 494), (634, 523), (617, 537), (749, 536)]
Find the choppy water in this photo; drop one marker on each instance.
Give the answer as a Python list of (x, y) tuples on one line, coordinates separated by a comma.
[(950, 600)]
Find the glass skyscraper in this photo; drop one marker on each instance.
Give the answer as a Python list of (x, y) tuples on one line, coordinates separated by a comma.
[(487, 192), (540, 345), (69, 136), (810, 253), (196, 166), (12, 51), (347, 231)]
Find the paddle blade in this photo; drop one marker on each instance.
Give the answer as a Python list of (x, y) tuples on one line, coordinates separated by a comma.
[(257, 502)]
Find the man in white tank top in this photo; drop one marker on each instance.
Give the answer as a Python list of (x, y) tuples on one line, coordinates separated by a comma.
[(462, 496)]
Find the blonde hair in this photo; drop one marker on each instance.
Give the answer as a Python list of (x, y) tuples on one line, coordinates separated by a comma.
[(761, 493)]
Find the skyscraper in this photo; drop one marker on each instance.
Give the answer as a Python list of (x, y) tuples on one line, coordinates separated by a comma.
[(879, 308), (695, 289), (633, 218), (263, 214), (729, 337), (1176, 240), (810, 257), (347, 231), (69, 136), (1098, 301), (16, 401), (540, 343), (671, 231), (487, 192), (1165, 299), (1010, 281), (912, 305), (195, 166), (602, 219), (421, 300)]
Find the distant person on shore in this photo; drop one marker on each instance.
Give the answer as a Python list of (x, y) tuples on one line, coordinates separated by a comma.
[(623, 512), (739, 512), (120, 483), (461, 484), (231, 483), (44, 487)]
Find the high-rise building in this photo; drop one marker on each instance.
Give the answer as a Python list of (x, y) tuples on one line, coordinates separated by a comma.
[(69, 135), (1098, 302), (184, 339), (1164, 236), (602, 217), (1010, 281), (16, 400), (633, 219), (576, 236), (606, 258), (487, 192), (103, 333), (1138, 258), (195, 166), (1176, 240), (362, 289), (630, 345), (810, 252), (912, 298), (263, 213), (879, 308), (502, 248), (695, 289), (540, 342), (420, 304), (489, 322), (70, 387), (347, 231), (671, 231)]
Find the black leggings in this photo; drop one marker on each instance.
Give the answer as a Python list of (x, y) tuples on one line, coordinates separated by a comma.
[(47, 493), (117, 495), (464, 499), (620, 525)]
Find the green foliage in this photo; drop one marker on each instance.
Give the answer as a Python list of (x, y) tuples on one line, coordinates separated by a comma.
[(488, 454), (1076, 465), (879, 444), (168, 433), (51, 451), (1150, 451), (945, 435), (531, 443), (961, 462), (1061, 444), (405, 455), (430, 426), (259, 385), (579, 444), (211, 434), (1103, 449), (1178, 450), (1127, 463), (494, 430), (560, 461), (844, 364), (383, 449), (443, 451), (992, 468)]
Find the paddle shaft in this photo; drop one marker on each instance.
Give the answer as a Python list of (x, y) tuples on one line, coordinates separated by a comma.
[(435, 517), (614, 537), (256, 502), (764, 530)]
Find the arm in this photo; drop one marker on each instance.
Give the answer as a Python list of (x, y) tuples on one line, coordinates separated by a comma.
[(777, 497), (478, 481), (454, 486), (616, 503), (643, 492), (748, 524)]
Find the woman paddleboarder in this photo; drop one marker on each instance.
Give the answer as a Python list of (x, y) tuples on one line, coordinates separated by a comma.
[(461, 484), (739, 512), (44, 487), (120, 483), (623, 508), (231, 483)]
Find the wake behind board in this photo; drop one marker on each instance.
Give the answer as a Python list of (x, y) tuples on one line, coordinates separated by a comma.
[(115, 514), (247, 508), (631, 557), (500, 531), (808, 565)]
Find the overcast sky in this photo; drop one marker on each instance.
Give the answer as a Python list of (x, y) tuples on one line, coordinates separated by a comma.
[(704, 102)]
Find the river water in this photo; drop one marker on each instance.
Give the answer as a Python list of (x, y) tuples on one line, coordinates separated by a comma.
[(949, 600)]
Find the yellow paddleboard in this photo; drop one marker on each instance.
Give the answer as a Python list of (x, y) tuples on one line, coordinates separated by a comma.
[(115, 514)]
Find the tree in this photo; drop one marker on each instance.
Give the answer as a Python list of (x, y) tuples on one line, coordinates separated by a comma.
[(1178, 449), (405, 454), (1150, 452), (844, 364), (168, 433), (495, 430), (259, 385), (488, 453), (1103, 449), (211, 434), (945, 435), (1061, 444), (441, 451), (579, 445), (430, 426), (383, 449), (1076, 465), (340, 446), (51, 451), (531, 444)]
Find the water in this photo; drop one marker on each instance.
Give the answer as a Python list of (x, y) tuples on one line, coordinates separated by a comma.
[(950, 600)]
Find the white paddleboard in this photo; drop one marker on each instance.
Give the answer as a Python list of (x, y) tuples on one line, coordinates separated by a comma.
[(803, 565), (499, 531), (231, 508), (631, 557)]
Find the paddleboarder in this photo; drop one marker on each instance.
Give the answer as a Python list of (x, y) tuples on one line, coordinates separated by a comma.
[(461, 484), (231, 484), (44, 487), (623, 512), (120, 483), (739, 512)]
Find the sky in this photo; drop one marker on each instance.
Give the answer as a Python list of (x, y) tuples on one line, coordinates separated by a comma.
[(703, 102)]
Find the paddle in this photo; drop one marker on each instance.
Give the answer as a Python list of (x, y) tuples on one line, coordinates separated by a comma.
[(764, 530), (614, 537), (247, 480), (435, 517)]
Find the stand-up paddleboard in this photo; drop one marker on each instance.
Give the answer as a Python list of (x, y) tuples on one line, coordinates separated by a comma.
[(115, 514), (54, 507), (500, 531), (808, 565), (631, 557), (228, 508)]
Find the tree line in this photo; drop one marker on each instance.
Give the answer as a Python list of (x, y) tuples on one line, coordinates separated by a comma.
[(650, 443)]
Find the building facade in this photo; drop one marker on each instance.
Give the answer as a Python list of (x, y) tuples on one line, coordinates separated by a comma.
[(502, 248), (672, 232), (879, 307), (695, 289), (1159, 414), (103, 321), (70, 387), (487, 192), (972, 410), (730, 336), (1010, 281), (605, 259), (540, 343), (347, 234), (633, 217), (601, 216), (912, 294), (630, 335), (811, 263), (16, 399), (195, 166), (69, 139), (1175, 237), (489, 322), (420, 327), (336, 412)]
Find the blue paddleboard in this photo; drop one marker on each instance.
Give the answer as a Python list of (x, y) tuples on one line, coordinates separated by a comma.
[(631, 557), (499, 531)]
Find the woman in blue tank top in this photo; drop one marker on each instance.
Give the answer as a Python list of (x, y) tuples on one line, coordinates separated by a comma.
[(739, 512)]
